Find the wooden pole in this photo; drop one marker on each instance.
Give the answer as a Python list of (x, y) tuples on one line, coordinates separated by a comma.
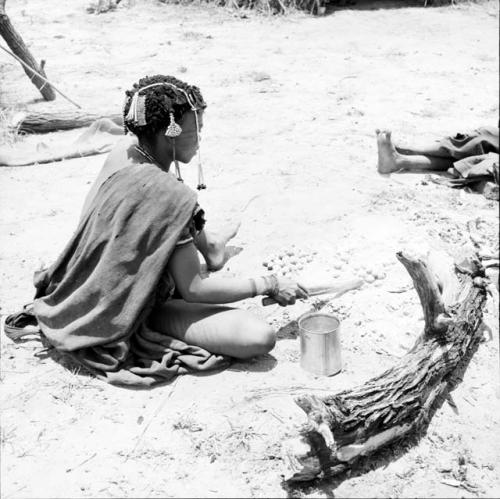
[(40, 76), (17, 45)]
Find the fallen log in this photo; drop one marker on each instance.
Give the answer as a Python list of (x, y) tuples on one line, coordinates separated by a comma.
[(346, 426), (19, 48), (63, 120)]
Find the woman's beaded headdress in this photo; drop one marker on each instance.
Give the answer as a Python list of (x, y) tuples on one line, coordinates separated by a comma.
[(137, 115)]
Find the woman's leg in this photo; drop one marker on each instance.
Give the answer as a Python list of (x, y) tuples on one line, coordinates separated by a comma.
[(216, 328), (390, 160)]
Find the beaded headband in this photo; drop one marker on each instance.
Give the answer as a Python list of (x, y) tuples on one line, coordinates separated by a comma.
[(137, 115), (137, 110)]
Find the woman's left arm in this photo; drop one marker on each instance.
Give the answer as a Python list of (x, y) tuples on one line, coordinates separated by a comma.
[(184, 267)]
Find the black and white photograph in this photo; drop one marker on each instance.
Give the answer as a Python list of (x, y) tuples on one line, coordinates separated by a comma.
[(249, 249)]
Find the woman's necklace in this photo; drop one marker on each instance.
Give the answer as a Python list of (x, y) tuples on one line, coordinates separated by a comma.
[(149, 157)]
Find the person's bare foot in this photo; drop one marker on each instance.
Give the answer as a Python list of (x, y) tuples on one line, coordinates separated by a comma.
[(218, 251), (388, 157)]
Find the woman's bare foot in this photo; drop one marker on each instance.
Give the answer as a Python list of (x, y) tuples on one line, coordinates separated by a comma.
[(388, 157), (218, 253)]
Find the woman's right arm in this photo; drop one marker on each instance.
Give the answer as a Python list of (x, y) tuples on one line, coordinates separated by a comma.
[(184, 267)]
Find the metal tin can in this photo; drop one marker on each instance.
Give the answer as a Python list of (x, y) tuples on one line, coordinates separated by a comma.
[(320, 350)]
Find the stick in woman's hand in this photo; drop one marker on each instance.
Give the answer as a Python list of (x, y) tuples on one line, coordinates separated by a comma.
[(338, 287)]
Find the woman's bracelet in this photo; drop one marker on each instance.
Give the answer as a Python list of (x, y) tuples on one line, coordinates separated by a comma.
[(272, 285)]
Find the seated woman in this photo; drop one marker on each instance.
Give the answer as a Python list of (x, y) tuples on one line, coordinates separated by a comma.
[(127, 297)]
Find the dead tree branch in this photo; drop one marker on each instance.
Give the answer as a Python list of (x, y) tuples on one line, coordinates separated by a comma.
[(345, 426)]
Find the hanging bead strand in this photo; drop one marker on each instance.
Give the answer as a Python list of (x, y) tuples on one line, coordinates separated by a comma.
[(201, 179)]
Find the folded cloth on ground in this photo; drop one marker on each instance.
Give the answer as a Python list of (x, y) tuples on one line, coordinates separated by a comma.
[(98, 138), (484, 166)]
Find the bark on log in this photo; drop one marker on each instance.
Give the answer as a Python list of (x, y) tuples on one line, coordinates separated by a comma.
[(63, 120), (19, 48), (345, 426)]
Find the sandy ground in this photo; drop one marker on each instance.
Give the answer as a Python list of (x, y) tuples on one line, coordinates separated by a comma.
[(293, 104)]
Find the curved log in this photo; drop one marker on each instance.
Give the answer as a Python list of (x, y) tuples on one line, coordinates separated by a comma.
[(345, 426)]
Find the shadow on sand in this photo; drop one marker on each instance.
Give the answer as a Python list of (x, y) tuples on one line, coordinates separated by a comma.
[(260, 364), (290, 330)]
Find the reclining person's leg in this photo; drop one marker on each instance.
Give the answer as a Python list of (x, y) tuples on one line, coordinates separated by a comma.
[(461, 145), (431, 149), (216, 328), (390, 160)]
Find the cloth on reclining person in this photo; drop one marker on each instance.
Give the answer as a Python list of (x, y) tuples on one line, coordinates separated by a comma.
[(94, 301), (476, 155), (478, 142), (481, 173), (480, 167)]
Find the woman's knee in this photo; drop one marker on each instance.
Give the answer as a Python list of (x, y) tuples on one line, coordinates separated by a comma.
[(260, 340), (266, 339)]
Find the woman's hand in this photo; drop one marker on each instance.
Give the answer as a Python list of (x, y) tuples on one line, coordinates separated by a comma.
[(289, 291)]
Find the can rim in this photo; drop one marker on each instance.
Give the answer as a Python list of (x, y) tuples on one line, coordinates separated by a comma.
[(317, 314)]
